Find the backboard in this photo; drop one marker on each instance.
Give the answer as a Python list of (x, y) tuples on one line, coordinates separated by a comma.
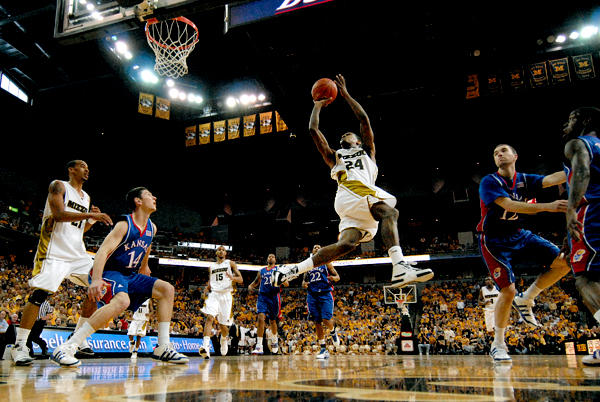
[(83, 20), (390, 294)]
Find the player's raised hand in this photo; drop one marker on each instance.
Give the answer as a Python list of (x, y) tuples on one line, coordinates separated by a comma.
[(341, 83)]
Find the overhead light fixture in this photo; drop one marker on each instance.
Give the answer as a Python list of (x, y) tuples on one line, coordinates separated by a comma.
[(128, 55), (561, 38), (173, 93), (121, 46), (170, 83), (574, 35), (551, 39), (252, 98), (191, 97), (231, 101), (198, 99), (182, 96), (589, 31), (244, 99), (89, 6), (261, 97)]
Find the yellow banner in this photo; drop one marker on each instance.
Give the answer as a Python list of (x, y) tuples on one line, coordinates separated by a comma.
[(204, 130), (145, 104), (219, 130), (266, 125), (190, 136), (281, 126), (163, 108), (233, 128), (249, 125), (472, 86)]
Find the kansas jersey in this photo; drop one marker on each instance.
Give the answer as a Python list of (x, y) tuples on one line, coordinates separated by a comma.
[(490, 295), (64, 240), (265, 282), (494, 218), (129, 254), (592, 193), (354, 165), (317, 280), (219, 282)]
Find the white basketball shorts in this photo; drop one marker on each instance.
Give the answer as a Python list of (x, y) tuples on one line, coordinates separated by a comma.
[(137, 328), (219, 305), (49, 273)]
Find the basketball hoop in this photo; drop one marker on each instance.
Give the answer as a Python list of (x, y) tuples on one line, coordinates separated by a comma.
[(172, 41), (400, 299)]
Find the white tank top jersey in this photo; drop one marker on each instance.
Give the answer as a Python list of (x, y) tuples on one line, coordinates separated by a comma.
[(490, 295), (65, 239), (219, 282), (354, 164), (140, 313)]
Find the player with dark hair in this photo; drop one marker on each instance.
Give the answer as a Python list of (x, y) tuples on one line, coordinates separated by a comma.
[(120, 281), (61, 252), (319, 301), (360, 204), (583, 210), (505, 196), (268, 305)]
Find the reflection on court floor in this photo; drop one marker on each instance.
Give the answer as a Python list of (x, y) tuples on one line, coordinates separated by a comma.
[(302, 378)]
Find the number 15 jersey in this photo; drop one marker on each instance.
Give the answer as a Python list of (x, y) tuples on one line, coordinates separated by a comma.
[(219, 282)]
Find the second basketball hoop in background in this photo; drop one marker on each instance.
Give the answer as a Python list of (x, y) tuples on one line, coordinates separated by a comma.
[(172, 41), (323, 89)]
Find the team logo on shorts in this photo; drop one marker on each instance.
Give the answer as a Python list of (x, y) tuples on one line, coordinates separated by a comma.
[(578, 256), (497, 273)]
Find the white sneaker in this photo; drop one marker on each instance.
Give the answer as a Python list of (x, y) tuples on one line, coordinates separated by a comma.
[(20, 355), (224, 346), (403, 273), (335, 337), (284, 273), (592, 360), (134, 356), (204, 352), (274, 347), (323, 354), (524, 307), (131, 346), (499, 353), (166, 353), (64, 355), (258, 350)]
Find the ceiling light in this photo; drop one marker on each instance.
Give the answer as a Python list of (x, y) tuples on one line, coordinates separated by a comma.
[(135, 67), (574, 35), (198, 99), (121, 46), (561, 38), (261, 97), (128, 55), (173, 93), (231, 101), (146, 75), (89, 6), (170, 83), (84, 2), (252, 98), (551, 39), (191, 97), (244, 99), (589, 31), (182, 95)]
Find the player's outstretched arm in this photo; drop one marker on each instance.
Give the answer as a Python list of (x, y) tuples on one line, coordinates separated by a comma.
[(56, 194), (554, 179), (254, 282), (110, 244), (322, 145), (577, 153), (526, 208)]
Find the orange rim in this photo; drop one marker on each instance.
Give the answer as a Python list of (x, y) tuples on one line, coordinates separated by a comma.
[(152, 21)]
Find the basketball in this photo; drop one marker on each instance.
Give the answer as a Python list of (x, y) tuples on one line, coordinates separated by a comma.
[(324, 88)]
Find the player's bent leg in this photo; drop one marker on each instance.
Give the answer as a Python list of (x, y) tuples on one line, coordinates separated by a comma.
[(164, 293), (588, 285)]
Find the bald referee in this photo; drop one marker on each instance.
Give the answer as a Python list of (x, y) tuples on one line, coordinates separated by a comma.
[(45, 313)]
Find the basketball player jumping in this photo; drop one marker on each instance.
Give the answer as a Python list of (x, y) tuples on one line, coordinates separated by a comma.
[(61, 252), (359, 203), (502, 238), (120, 281), (319, 300), (223, 273), (268, 304), (583, 210)]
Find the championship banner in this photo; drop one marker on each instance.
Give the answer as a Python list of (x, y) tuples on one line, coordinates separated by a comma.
[(145, 104), (493, 84), (204, 130), (219, 130), (472, 86), (190, 136), (538, 75), (266, 122), (163, 108), (233, 128), (249, 125), (559, 71), (516, 82), (584, 66), (281, 126)]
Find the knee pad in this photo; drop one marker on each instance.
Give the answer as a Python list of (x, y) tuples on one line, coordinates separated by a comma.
[(38, 297)]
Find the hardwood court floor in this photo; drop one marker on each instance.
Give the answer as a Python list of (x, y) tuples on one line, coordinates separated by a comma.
[(302, 378)]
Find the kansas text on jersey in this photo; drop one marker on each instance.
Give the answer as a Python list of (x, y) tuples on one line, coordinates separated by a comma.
[(130, 253)]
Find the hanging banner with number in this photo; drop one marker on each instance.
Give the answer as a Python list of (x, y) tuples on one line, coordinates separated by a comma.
[(249, 125), (190, 136), (266, 122), (219, 130), (204, 130), (163, 108), (472, 86), (145, 103), (233, 128)]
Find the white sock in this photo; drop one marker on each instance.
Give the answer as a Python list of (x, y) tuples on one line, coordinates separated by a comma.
[(274, 339), (206, 341), (80, 323), (82, 334), (532, 292), (259, 341), (305, 265), (164, 329), (22, 335), (396, 255), (597, 316), (500, 335)]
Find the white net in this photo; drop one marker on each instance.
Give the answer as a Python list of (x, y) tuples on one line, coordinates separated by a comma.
[(172, 41)]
